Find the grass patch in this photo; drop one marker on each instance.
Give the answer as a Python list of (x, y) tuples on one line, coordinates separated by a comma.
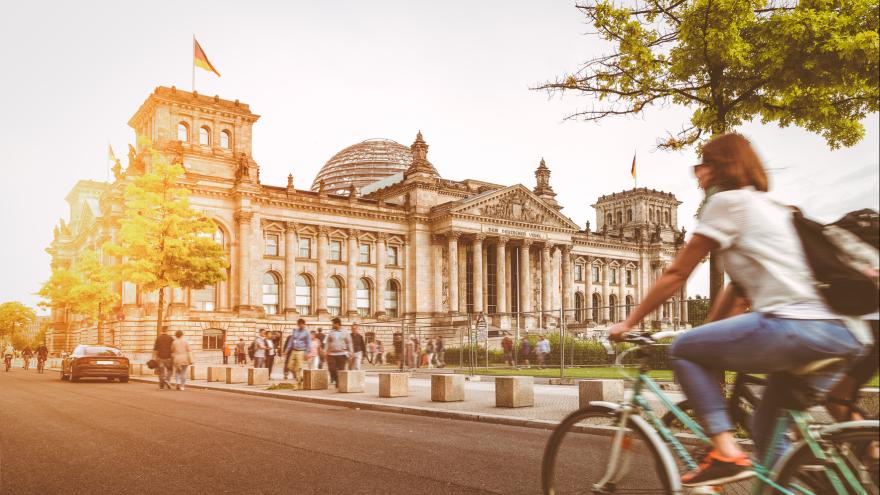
[(282, 386), (597, 372)]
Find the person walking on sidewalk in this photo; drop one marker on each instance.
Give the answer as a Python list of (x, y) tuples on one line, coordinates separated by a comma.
[(440, 352), (541, 350), (524, 350), (260, 349), (338, 347), (271, 350), (227, 350), (429, 350), (298, 344), (162, 356), (322, 354), (314, 355), (380, 353), (371, 352), (181, 357), (507, 347), (240, 352), (359, 347), (286, 354)]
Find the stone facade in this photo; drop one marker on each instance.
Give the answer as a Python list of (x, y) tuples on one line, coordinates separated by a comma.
[(411, 247)]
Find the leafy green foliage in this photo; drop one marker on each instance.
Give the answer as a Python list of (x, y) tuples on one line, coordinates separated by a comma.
[(14, 316), (809, 63)]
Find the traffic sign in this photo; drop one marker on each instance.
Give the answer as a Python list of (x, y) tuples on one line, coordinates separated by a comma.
[(482, 328)]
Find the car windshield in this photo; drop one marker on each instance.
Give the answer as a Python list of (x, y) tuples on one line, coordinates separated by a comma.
[(97, 351)]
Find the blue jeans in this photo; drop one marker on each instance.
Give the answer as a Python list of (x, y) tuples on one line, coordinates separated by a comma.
[(757, 343)]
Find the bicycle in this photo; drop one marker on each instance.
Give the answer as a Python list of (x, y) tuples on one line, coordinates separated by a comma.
[(7, 361), (26, 365), (41, 364), (594, 449)]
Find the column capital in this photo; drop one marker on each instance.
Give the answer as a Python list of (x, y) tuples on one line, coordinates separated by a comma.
[(381, 236), (527, 243), (290, 227), (479, 237), (323, 231), (546, 247), (503, 239), (453, 235), (242, 216), (566, 248), (353, 233)]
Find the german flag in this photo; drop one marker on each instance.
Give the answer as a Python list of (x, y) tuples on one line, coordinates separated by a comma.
[(633, 168), (200, 59)]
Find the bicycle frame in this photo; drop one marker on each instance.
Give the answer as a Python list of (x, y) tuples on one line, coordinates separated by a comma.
[(638, 404)]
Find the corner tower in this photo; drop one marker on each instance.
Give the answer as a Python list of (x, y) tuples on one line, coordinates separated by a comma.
[(639, 213)]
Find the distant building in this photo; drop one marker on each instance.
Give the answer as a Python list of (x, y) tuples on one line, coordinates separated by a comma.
[(380, 238)]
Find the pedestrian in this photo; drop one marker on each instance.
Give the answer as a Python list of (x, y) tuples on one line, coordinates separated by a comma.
[(338, 347), (271, 349), (440, 350), (371, 351), (314, 355), (286, 355), (410, 359), (359, 347), (163, 357), (429, 349), (227, 350), (524, 350), (298, 344), (240, 353), (542, 349), (322, 354), (507, 347), (380, 352), (181, 356), (790, 323), (259, 346)]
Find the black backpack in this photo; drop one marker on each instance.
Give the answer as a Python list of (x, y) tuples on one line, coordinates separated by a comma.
[(832, 253)]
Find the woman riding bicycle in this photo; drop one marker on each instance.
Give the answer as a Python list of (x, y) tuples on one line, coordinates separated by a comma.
[(789, 326)]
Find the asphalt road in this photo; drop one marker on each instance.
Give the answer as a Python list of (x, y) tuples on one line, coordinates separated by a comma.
[(98, 437)]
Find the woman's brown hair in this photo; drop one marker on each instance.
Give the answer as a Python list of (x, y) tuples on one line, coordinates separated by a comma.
[(734, 163)]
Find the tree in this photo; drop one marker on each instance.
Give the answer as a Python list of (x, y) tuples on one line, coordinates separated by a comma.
[(162, 241), (811, 63), (93, 296), (58, 293), (14, 316)]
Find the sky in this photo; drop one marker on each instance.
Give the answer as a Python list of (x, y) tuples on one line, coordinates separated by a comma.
[(325, 75)]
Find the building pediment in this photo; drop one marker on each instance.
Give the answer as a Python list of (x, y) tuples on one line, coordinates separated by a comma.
[(512, 204)]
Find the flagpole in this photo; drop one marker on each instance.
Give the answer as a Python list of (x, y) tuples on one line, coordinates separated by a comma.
[(193, 60)]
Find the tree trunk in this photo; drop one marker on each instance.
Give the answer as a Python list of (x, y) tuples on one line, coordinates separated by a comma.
[(100, 328), (160, 311)]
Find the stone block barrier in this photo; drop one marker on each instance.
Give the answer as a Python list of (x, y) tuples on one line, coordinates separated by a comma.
[(216, 373), (351, 381), (393, 385), (514, 391), (316, 379), (198, 372), (257, 376), (604, 390), (236, 374), (447, 388)]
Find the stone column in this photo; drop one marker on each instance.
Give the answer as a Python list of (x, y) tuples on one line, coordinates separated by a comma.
[(243, 219), (621, 294), (567, 283), (606, 310), (381, 252), (452, 261), (351, 272), (477, 247), (588, 295), (321, 283), (501, 273), (291, 246), (525, 277), (462, 281), (546, 281), (437, 253)]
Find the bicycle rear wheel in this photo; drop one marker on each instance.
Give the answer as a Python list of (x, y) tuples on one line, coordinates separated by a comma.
[(856, 444), (578, 458)]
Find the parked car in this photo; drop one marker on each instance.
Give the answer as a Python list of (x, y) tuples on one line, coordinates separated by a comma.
[(95, 361)]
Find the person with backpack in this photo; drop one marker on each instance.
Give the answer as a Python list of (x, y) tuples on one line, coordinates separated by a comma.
[(258, 354), (791, 323), (240, 353), (339, 348)]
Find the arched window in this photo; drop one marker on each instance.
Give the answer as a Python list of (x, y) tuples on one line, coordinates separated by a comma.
[(303, 295), (629, 305), (629, 215), (204, 136), (205, 299), (612, 307), (610, 220), (334, 296), (225, 139), (363, 297), (392, 296), (271, 285), (213, 339), (597, 303), (579, 313), (619, 217), (651, 214), (667, 218), (182, 132)]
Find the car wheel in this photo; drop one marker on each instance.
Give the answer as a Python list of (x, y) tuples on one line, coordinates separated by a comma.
[(110, 379), (63, 376), (74, 378)]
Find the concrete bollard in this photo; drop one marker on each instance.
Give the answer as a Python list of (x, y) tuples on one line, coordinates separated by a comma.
[(257, 376), (514, 391), (393, 385), (316, 379), (198, 372), (447, 388), (216, 373), (599, 390), (236, 374), (350, 381)]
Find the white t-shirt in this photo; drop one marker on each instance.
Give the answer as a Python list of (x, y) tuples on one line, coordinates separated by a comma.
[(762, 253)]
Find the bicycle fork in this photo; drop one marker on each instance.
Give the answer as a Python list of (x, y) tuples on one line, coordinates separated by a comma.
[(620, 444)]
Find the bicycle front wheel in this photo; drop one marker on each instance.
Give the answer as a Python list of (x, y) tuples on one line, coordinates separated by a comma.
[(591, 452)]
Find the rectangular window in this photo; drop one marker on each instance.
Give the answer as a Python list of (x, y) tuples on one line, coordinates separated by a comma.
[(271, 245), (336, 250), (614, 275), (202, 299), (363, 301), (596, 274), (578, 273), (391, 303), (304, 299), (391, 256), (629, 277), (364, 256), (305, 248), (334, 300)]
